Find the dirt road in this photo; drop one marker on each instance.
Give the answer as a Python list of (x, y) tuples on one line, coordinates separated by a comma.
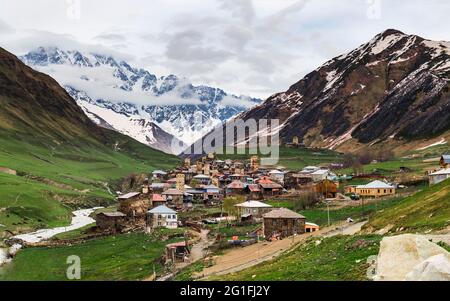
[(197, 253), (242, 258)]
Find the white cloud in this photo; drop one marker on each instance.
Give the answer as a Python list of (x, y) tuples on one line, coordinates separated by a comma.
[(252, 47), (103, 85)]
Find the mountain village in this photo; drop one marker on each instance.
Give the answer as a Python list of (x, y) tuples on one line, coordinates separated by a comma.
[(360, 192), (169, 199)]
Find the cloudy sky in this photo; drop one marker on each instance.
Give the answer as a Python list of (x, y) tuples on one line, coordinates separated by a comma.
[(251, 47)]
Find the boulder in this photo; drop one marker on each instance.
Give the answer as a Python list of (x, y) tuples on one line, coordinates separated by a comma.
[(400, 255), (435, 268)]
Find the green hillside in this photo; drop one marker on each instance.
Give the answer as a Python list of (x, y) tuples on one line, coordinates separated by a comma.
[(63, 161), (428, 209), (340, 258), (128, 257), (53, 181)]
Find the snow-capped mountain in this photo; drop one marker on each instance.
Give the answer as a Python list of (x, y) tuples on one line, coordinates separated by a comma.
[(153, 110), (393, 91)]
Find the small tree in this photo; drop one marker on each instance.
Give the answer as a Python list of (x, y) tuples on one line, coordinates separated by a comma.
[(229, 205), (306, 200), (194, 183)]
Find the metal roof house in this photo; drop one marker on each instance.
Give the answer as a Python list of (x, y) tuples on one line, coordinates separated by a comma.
[(375, 189), (254, 209), (439, 176), (162, 217)]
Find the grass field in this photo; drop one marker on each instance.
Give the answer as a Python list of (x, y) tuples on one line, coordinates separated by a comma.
[(121, 257), (229, 230), (291, 158), (54, 180), (428, 209), (391, 168), (319, 215), (337, 258)]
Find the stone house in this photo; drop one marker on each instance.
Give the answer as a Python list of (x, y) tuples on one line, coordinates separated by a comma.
[(114, 221), (173, 197), (135, 206), (235, 188), (282, 222)]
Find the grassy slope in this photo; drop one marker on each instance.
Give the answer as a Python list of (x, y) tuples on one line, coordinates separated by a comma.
[(56, 179), (64, 159), (122, 257), (291, 158), (334, 259), (428, 209)]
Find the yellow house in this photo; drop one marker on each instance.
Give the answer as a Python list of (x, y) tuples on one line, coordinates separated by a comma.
[(375, 189)]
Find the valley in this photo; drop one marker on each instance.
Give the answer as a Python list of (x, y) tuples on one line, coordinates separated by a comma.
[(363, 160)]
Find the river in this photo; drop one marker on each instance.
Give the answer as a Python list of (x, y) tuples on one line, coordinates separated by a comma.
[(80, 219)]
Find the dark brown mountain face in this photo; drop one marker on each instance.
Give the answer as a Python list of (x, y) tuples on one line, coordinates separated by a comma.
[(35, 104), (394, 87), (37, 110)]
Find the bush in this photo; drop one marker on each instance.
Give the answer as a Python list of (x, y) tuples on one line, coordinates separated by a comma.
[(306, 200)]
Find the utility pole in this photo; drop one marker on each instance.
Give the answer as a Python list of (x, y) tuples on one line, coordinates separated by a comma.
[(362, 207), (328, 213)]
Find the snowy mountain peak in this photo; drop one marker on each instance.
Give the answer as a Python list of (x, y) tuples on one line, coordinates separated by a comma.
[(393, 87), (171, 103)]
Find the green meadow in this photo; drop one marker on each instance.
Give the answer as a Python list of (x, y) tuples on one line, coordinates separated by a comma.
[(339, 258), (52, 180), (122, 257)]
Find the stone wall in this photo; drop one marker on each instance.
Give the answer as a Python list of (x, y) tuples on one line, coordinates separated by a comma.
[(284, 227)]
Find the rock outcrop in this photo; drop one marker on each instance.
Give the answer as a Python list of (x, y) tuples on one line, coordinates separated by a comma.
[(436, 268), (411, 257)]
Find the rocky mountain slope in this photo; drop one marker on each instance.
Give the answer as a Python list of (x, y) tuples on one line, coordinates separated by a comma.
[(53, 158), (34, 105), (153, 110), (392, 89)]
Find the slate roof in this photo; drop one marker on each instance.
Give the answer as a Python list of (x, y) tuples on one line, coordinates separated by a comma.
[(282, 213), (172, 192), (128, 195)]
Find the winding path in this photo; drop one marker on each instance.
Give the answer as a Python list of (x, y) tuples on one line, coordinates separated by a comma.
[(242, 258)]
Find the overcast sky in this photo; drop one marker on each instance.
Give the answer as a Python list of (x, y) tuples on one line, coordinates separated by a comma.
[(246, 47)]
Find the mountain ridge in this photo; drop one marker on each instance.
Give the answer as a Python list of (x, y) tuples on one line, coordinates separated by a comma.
[(172, 104), (395, 87)]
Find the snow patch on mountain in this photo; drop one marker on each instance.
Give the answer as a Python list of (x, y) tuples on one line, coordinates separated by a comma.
[(135, 97)]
